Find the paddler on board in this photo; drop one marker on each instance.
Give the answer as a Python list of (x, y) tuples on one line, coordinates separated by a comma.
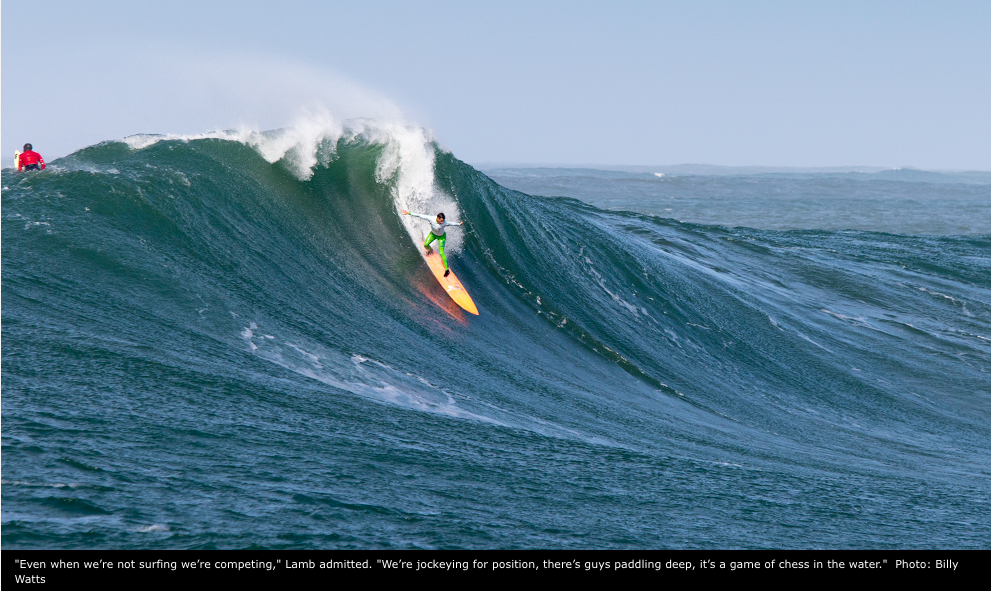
[(436, 233), (29, 159)]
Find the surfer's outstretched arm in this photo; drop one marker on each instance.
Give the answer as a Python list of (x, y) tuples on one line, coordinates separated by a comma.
[(436, 225), (418, 215), (424, 216)]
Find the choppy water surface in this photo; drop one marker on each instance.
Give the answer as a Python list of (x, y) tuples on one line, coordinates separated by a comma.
[(206, 344)]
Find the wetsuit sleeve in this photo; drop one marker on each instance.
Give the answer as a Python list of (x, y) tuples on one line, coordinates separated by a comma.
[(41, 161), (421, 216)]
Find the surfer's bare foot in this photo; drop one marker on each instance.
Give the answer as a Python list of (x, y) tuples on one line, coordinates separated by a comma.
[(447, 272)]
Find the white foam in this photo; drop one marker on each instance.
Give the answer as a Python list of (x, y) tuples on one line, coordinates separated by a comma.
[(379, 382), (310, 140), (802, 336), (406, 163), (602, 283), (314, 359), (41, 484), (157, 527), (244, 94), (299, 145), (408, 160), (861, 321), (936, 293)]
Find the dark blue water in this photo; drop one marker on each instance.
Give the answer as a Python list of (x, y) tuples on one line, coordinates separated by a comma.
[(208, 348)]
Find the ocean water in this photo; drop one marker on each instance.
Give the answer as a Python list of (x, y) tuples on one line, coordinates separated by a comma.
[(894, 201), (233, 341)]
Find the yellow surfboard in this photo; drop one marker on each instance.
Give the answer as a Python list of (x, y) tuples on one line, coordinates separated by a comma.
[(17, 159), (451, 283)]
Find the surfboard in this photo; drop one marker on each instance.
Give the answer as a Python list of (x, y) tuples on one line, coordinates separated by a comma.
[(17, 159), (451, 283)]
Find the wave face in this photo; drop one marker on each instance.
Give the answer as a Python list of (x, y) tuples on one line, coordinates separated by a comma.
[(233, 341)]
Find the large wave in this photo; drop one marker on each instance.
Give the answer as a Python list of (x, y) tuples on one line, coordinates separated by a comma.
[(279, 258)]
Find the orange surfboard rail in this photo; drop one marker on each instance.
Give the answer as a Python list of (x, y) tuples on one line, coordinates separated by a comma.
[(451, 283)]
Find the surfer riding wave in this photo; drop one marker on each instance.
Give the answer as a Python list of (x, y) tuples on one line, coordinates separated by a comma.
[(437, 233)]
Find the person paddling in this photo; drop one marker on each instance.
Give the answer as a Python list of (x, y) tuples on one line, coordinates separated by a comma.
[(436, 233), (30, 160)]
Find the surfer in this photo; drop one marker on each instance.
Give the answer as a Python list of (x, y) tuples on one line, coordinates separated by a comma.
[(30, 160), (436, 233)]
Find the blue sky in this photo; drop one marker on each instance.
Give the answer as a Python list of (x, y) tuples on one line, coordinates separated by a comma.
[(617, 83)]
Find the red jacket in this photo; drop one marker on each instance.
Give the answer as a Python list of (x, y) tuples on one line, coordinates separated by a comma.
[(30, 157)]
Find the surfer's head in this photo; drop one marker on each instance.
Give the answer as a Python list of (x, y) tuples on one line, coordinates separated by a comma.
[(28, 147), (440, 217)]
